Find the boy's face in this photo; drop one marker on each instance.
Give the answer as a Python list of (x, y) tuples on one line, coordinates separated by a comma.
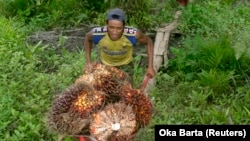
[(115, 29)]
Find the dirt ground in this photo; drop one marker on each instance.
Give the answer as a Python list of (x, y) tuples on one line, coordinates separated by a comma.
[(70, 39)]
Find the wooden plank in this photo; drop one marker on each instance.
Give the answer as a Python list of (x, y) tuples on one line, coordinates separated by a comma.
[(158, 62), (165, 53), (161, 49), (158, 39)]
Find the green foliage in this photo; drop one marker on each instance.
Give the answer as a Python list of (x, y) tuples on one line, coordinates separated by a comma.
[(26, 88), (197, 20), (212, 48), (212, 60), (137, 12), (50, 14), (163, 12), (218, 81), (144, 14), (207, 80), (242, 49), (138, 70)]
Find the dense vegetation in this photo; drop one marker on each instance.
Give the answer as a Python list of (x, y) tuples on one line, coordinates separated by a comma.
[(206, 81)]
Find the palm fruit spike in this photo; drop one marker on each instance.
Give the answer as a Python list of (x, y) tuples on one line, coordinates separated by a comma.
[(142, 106), (70, 111), (109, 70), (105, 78), (115, 120), (123, 138), (86, 78), (102, 70), (112, 83)]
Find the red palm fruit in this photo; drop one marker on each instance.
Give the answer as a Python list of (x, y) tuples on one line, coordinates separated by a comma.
[(105, 78), (70, 111), (114, 121), (123, 138), (109, 70), (142, 105)]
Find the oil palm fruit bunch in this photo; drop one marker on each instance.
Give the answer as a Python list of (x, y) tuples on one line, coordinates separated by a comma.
[(115, 122), (105, 78), (141, 104), (122, 138), (71, 110)]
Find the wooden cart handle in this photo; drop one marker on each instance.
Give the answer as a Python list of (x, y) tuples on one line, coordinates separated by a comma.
[(144, 83)]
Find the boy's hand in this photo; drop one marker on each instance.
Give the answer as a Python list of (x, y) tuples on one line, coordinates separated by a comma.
[(88, 68)]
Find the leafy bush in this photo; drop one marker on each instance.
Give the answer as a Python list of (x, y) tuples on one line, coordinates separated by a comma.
[(50, 14), (27, 89), (209, 49)]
